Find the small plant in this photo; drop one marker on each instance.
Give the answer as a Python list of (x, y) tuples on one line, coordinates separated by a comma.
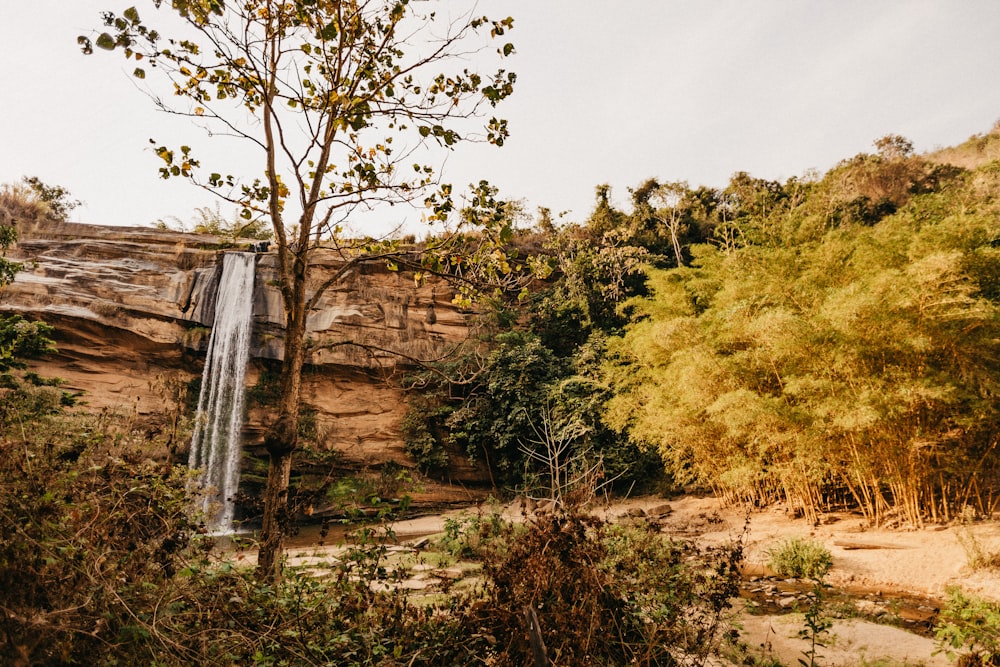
[(266, 390), (106, 308), (471, 536), (816, 623), (977, 555), (194, 336), (800, 558), (970, 623)]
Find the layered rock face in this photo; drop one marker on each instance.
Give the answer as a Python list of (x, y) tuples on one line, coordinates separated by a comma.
[(133, 306)]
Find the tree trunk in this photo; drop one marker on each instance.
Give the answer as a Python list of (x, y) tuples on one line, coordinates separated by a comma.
[(281, 440), (272, 534)]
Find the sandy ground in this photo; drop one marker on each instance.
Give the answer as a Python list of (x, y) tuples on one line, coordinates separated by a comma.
[(848, 643), (924, 562)]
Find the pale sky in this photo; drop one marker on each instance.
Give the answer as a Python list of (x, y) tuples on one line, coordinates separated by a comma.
[(609, 92)]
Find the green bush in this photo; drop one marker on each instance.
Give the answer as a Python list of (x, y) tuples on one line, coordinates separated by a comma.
[(972, 624), (22, 401), (476, 536), (801, 558), (424, 435)]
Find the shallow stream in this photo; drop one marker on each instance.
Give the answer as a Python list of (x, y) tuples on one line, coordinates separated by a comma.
[(775, 595)]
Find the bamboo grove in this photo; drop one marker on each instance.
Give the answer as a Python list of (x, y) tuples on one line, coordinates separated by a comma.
[(829, 340)]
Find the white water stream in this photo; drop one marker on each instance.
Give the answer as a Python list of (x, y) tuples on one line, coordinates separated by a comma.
[(215, 446)]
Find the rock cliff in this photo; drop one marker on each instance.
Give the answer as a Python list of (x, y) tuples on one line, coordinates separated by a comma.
[(134, 305)]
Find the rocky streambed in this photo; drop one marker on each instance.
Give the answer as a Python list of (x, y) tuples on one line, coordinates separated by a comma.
[(773, 595)]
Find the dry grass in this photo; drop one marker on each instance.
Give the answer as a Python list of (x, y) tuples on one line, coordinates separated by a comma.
[(978, 556), (976, 151), (20, 205)]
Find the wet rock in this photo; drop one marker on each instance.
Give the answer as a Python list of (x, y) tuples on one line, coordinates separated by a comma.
[(660, 511), (452, 573), (869, 608)]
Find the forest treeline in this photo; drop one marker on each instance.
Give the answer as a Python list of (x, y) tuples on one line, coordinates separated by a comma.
[(823, 341)]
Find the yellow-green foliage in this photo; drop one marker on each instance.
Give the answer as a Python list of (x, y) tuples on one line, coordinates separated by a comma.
[(972, 624), (800, 557), (810, 350)]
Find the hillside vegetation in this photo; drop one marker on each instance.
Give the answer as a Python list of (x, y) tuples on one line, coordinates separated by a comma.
[(823, 341)]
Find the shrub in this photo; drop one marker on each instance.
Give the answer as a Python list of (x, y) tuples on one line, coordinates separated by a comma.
[(978, 555), (91, 534), (477, 536), (571, 590), (801, 558), (972, 624), (99, 564), (425, 436), (21, 339), (23, 401), (19, 204)]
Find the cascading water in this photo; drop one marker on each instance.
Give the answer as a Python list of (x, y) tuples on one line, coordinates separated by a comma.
[(215, 446)]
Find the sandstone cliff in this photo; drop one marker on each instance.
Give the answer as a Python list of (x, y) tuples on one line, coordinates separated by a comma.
[(131, 305)]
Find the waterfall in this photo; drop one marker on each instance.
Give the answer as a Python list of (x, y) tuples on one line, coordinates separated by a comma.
[(215, 446)]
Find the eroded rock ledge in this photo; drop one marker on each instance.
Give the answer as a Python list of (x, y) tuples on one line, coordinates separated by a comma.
[(131, 305)]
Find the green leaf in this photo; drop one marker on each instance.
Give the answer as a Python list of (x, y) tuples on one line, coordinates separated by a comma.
[(106, 42), (329, 33)]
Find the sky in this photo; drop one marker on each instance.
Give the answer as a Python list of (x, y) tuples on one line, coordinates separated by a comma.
[(609, 92)]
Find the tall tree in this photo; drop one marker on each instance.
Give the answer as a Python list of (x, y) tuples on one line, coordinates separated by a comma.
[(341, 97)]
